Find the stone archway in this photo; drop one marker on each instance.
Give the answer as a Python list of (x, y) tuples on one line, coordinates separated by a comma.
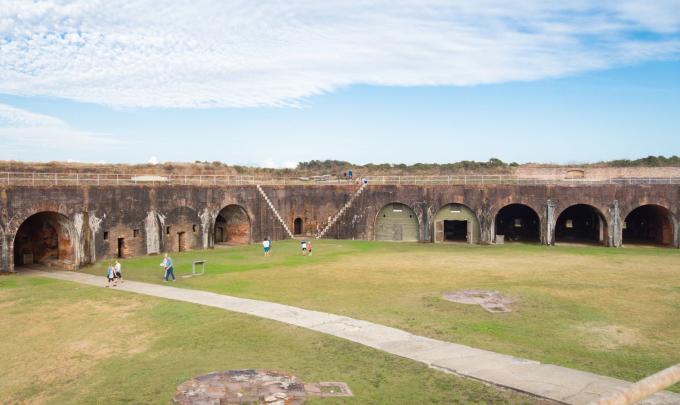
[(45, 238), (182, 230), (581, 223), (456, 223), (232, 226), (649, 224), (396, 222), (518, 222)]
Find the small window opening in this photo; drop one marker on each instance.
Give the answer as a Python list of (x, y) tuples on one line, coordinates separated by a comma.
[(569, 224), (106, 235), (167, 230), (135, 233), (193, 228)]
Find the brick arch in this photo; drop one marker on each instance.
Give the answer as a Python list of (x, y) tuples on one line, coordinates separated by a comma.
[(665, 234), (182, 229), (121, 235), (61, 248), (603, 227), (499, 205), (418, 219), (233, 231), (522, 233), (439, 234), (630, 207), (23, 214)]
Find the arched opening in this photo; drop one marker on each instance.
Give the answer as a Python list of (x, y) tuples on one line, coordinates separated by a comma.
[(297, 226), (456, 223), (581, 223), (396, 222), (518, 222), (232, 226), (182, 230), (45, 238), (649, 224)]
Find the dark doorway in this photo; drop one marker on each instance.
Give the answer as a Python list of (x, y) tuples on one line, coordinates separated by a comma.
[(181, 241), (649, 224), (456, 231), (297, 226), (518, 222), (44, 238), (121, 248), (581, 223)]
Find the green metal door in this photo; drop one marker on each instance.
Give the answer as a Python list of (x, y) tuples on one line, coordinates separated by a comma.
[(396, 222)]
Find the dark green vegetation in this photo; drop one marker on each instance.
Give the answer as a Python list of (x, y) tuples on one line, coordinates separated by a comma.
[(610, 311), (65, 343)]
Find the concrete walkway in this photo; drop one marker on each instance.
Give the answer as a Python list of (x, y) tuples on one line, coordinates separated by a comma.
[(542, 380)]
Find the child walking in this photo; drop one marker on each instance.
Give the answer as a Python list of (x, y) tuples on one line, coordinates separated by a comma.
[(266, 245), (111, 276), (303, 244)]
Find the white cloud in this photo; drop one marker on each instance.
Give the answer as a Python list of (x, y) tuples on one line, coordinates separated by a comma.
[(270, 163), (153, 160), (21, 128), (182, 53)]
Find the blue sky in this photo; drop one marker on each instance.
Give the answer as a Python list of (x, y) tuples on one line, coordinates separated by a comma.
[(401, 81)]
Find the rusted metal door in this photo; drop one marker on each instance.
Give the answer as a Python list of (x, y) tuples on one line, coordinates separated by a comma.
[(181, 242), (439, 231)]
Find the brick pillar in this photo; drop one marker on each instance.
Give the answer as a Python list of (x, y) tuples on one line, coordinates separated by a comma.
[(548, 224), (676, 232), (615, 230)]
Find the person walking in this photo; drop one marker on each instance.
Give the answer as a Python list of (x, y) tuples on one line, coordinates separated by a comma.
[(169, 270), (309, 247), (266, 246), (117, 271), (111, 276), (303, 245)]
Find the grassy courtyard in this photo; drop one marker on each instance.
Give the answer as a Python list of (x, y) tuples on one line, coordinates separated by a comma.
[(614, 312), (65, 343)]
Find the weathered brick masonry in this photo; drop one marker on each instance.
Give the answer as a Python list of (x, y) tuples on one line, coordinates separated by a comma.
[(70, 226)]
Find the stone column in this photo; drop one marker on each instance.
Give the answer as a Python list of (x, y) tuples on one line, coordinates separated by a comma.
[(486, 231), (615, 230), (676, 232), (4, 265), (207, 227), (9, 244), (153, 230), (486, 219), (548, 224)]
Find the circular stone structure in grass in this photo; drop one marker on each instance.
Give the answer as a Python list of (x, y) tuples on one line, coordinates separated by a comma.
[(253, 387)]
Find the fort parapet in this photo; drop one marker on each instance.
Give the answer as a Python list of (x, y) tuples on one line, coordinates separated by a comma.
[(69, 225)]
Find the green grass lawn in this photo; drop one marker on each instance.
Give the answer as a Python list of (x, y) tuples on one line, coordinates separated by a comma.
[(66, 343), (614, 312)]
